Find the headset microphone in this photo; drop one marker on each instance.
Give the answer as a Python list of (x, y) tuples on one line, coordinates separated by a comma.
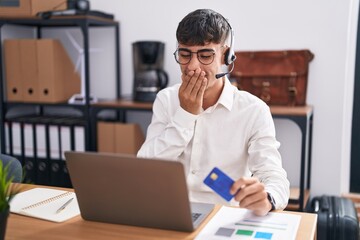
[(220, 75)]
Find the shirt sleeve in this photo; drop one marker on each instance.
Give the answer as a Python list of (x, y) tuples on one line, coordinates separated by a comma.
[(169, 132), (265, 159)]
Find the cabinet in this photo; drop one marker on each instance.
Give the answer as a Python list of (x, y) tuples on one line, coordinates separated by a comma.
[(23, 118), (303, 118)]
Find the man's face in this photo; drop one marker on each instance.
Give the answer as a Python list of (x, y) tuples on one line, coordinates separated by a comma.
[(200, 56)]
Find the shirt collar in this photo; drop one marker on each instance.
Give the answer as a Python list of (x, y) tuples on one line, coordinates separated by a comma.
[(227, 95)]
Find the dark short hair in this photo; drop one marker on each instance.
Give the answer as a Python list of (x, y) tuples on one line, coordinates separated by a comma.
[(202, 26)]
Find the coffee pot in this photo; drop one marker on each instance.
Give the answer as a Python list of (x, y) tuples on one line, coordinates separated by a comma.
[(149, 76)]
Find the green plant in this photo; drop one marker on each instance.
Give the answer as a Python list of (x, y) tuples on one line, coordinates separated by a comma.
[(7, 189)]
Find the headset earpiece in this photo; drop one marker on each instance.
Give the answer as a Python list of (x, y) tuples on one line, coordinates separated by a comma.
[(230, 53)]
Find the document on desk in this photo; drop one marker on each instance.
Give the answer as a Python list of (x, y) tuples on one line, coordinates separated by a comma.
[(238, 223), (47, 204)]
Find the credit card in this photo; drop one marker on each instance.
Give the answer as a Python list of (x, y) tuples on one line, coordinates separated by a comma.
[(220, 183)]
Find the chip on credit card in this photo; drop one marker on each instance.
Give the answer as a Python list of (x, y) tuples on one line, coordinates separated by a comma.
[(220, 183)]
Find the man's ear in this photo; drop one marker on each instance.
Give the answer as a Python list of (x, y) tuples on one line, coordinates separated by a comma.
[(225, 54)]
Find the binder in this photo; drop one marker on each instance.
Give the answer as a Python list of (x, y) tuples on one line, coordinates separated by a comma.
[(43, 168), (29, 160), (14, 86), (45, 203), (56, 174), (65, 146), (79, 138), (65, 140), (66, 177), (28, 137), (7, 138), (57, 79), (40, 140), (29, 68), (16, 138), (54, 142)]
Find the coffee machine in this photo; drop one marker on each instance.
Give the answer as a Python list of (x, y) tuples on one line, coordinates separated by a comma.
[(149, 76)]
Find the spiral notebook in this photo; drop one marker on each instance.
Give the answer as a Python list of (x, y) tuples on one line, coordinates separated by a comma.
[(47, 204)]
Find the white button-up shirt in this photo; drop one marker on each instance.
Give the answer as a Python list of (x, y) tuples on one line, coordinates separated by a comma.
[(237, 135)]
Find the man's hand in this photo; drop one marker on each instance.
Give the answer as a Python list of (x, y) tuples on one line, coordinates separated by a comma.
[(251, 194), (192, 90)]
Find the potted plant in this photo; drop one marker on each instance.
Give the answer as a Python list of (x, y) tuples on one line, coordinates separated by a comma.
[(7, 192)]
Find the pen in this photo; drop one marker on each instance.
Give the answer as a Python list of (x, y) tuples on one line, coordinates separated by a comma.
[(64, 206)]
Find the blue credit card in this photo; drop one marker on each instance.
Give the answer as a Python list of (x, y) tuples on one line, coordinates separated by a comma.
[(220, 183)]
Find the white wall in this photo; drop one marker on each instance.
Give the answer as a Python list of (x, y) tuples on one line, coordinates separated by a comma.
[(326, 27)]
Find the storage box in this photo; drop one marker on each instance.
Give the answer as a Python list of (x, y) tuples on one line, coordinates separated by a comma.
[(39, 70), (119, 137), (27, 8)]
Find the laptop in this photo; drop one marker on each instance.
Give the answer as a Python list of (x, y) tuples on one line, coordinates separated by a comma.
[(124, 189)]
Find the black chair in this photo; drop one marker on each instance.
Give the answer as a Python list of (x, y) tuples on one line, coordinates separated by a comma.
[(15, 167)]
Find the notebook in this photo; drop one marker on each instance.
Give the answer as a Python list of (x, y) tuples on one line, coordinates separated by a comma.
[(124, 189), (45, 203)]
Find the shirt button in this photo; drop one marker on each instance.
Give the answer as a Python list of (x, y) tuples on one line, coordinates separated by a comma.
[(193, 171)]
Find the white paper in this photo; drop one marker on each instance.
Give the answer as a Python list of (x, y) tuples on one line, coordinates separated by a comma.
[(238, 223)]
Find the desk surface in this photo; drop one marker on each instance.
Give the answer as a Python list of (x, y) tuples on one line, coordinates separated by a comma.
[(22, 227), (275, 110)]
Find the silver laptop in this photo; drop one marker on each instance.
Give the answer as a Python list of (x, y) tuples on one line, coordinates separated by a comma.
[(124, 189)]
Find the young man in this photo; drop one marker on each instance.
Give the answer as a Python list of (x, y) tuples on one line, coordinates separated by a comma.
[(205, 122)]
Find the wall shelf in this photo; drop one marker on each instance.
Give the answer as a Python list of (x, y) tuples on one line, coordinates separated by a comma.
[(82, 111)]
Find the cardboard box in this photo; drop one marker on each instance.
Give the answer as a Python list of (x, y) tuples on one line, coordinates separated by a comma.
[(40, 70), (106, 137), (119, 137), (27, 8)]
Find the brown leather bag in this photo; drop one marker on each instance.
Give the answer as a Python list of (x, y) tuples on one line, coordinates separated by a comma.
[(277, 77)]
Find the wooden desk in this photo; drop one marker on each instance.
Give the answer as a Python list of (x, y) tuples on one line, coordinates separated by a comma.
[(21, 227)]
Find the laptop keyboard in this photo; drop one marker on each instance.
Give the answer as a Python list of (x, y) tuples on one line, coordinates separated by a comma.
[(195, 216)]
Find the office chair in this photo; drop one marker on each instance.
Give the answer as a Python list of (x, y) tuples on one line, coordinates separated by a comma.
[(15, 167)]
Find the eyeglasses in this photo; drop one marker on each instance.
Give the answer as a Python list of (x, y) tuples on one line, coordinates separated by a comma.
[(183, 56)]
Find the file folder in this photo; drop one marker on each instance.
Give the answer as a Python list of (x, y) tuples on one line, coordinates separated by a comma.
[(79, 138), (43, 169), (40, 140), (7, 138), (30, 152), (16, 138), (13, 77), (65, 140), (28, 62)]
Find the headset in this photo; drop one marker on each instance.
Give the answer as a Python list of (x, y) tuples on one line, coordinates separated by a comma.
[(230, 56), (230, 53)]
